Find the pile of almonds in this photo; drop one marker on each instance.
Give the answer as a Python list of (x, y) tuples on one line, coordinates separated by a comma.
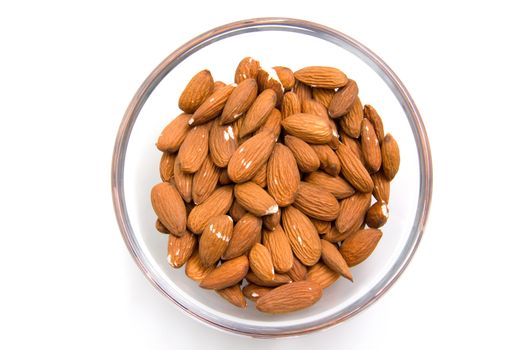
[(270, 180)]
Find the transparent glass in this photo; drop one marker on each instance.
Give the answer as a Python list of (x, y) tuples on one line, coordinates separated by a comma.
[(273, 41)]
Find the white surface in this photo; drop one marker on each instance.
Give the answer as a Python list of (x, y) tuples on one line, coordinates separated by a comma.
[(67, 73)]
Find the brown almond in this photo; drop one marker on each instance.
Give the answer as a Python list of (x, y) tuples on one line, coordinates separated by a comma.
[(370, 147), (352, 212), (315, 202), (305, 156), (322, 227), (258, 112), (244, 236), (180, 248), (328, 160), (167, 161), (283, 175), (290, 297), (195, 269), (391, 159), (222, 143), (278, 280), (271, 221), (377, 215), (233, 295), (313, 107), (291, 104), (272, 124), (286, 77), (322, 275), (194, 149), (323, 96), (371, 114), (356, 248), (246, 69), (239, 101), (182, 181), (205, 181), (250, 156), (302, 235), (309, 128), (381, 190), (336, 185), (268, 79), (261, 262), (277, 243), (298, 272), (354, 146), (343, 99), (334, 260), (217, 85), (215, 238), (260, 176), (323, 77), (160, 227), (255, 199), (224, 179), (169, 207), (217, 203), (350, 123), (303, 91), (336, 236), (212, 106), (237, 211), (227, 274), (253, 292), (174, 133), (196, 91), (353, 170)]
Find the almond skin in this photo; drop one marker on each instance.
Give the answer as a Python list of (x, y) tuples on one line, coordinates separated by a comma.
[(329, 161), (352, 212), (303, 91), (239, 101), (353, 170), (371, 114), (322, 227), (343, 99), (335, 236), (174, 133), (215, 238), (166, 166), (196, 91), (283, 175), (255, 199), (233, 295), (305, 156), (253, 292), (195, 269), (169, 207), (222, 143), (354, 146), (244, 236), (323, 96), (227, 274), (316, 202), (246, 69), (290, 297), (217, 204), (212, 106), (291, 104), (336, 185), (260, 176), (298, 272), (322, 275), (277, 243), (160, 227), (286, 77), (271, 221), (309, 128), (370, 147), (334, 260), (313, 107), (250, 156), (258, 112), (272, 124), (237, 211), (205, 181), (356, 248), (182, 181), (381, 190), (391, 159), (323, 77), (224, 179), (277, 280), (351, 121), (302, 235), (217, 85), (268, 79), (180, 249), (377, 215), (261, 262), (194, 149)]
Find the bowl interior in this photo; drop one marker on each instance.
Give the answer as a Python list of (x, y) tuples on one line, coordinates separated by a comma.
[(140, 173)]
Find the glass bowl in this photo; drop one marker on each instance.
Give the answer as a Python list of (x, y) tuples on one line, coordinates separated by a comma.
[(273, 41)]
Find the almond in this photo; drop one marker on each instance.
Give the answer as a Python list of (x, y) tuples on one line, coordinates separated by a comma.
[(239, 101), (353, 170), (194, 94), (343, 99), (356, 248), (336, 185), (323, 96), (169, 207), (224, 179), (255, 199), (180, 249), (278, 280), (174, 133), (281, 252), (370, 146), (212, 106), (258, 112), (250, 156), (323, 77), (291, 104), (290, 297), (391, 159), (352, 212), (322, 275), (227, 274), (354, 146), (182, 181), (237, 211), (268, 79), (261, 262), (329, 161), (272, 124), (334, 260), (305, 156), (195, 269), (244, 236), (302, 235), (309, 128), (217, 85), (222, 143), (194, 149), (205, 181), (167, 162), (233, 295), (283, 175), (381, 190), (322, 227), (271, 221), (247, 69), (260, 176), (377, 215), (286, 77), (217, 204), (350, 123), (160, 227), (215, 238), (303, 91), (253, 292), (313, 107), (315, 202), (298, 272), (371, 114)]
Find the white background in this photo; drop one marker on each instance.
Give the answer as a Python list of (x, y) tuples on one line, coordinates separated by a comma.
[(67, 73)]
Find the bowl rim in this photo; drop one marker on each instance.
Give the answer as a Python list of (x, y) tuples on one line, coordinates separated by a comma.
[(275, 24)]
